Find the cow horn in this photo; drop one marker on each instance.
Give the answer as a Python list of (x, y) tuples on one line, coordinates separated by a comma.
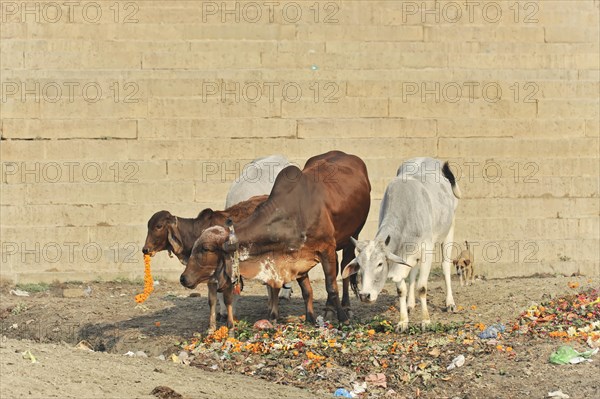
[(357, 244)]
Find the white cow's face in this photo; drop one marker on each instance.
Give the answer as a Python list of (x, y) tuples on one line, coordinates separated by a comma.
[(372, 264), (373, 270)]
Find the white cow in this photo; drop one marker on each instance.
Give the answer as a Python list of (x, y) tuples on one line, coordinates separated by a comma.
[(417, 212), (256, 178)]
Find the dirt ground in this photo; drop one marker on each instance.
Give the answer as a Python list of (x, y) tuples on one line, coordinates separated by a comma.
[(50, 325)]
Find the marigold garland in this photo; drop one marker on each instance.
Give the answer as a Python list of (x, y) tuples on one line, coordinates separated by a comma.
[(148, 282)]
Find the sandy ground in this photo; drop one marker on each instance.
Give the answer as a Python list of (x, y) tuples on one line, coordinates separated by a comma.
[(50, 326), (64, 372)]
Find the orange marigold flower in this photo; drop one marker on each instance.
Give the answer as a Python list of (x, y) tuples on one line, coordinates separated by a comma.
[(148, 282)]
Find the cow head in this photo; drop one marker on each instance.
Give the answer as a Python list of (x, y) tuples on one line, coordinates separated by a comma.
[(372, 265), (208, 258), (163, 234)]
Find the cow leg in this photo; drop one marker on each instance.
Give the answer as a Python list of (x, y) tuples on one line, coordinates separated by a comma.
[(222, 315), (347, 256), (427, 258), (307, 294), (274, 304), (212, 302), (447, 268), (228, 297), (402, 325), (330, 270), (412, 279)]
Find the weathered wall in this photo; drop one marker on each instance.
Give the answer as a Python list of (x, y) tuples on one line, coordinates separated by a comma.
[(110, 113)]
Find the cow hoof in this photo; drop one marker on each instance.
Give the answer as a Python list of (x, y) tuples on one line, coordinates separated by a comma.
[(451, 308), (211, 330), (310, 319), (425, 325), (402, 327), (410, 309)]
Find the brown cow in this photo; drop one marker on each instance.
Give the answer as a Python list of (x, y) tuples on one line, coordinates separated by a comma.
[(308, 216), (177, 235)]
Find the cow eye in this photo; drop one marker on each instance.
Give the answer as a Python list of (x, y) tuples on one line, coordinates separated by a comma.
[(159, 226), (380, 264)]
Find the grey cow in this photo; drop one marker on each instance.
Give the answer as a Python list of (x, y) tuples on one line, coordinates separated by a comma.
[(256, 178), (417, 212)]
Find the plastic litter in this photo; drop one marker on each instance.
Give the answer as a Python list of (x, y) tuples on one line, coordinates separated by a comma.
[(378, 380), (263, 324), (140, 354), (28, 355), (320, 321), (358, 388), (566, 354), (343, 393), (84, 345), (18, 292), (492, 331), (558, 394), (129, 353), (458, 361)]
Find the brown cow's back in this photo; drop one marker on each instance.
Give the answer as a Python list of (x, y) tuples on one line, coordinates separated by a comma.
[(345, 188)]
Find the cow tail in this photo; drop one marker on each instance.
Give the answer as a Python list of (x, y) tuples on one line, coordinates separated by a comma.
[(448, 175)]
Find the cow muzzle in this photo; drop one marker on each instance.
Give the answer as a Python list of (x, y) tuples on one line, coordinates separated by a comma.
[(366, 298), (183, 280), (147, 251)]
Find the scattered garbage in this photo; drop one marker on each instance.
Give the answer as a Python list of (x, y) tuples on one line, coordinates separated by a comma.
[(358, 388), (182, 357), (566, 354), (343, 393), (163, 392), (160, 357), (320, 321), (593, 343), (140, 354), (558, 394), (88, 291), (458, 361), (129, 353), (84, 345), (378, 380), (28, 355), (19, 292), (492, 331), (263, 324)]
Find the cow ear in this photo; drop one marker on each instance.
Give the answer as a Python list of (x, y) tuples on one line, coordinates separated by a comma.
[(467, 262), (387, 240), (396, 259), (455, 262), (351, 268), (175, 238)]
